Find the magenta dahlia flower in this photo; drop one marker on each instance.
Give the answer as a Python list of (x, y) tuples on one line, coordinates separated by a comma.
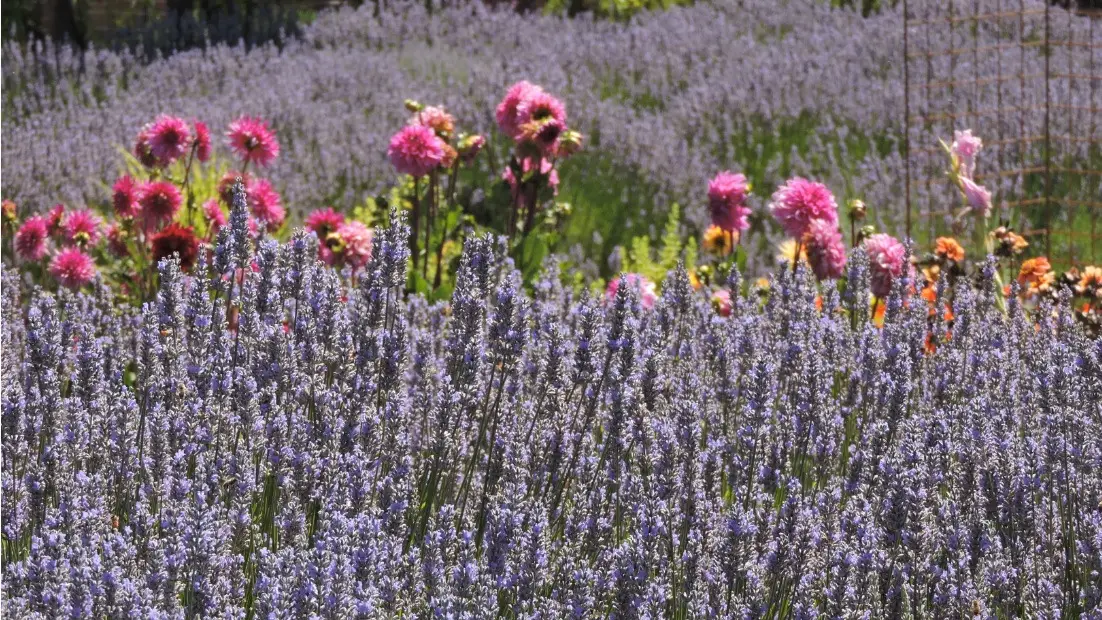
[(143, 151), (30, 239), (799, 202), (72, 268), (160, 201), (965, 147), (886, 258), (508, 111), (357, 243), (979, 199), (202, 141), (416, 150), (324, 221), (225, 185), (266, 204), (82, 226), (540, 106), (169, 139), (825, 250), (124, 196), (216, 218), (721, 301), (435, 118), (253, 141), (727, 201), (116, 240), (646, 289), (176, 240)]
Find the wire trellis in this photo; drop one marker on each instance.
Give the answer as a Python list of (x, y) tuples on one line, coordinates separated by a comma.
[(1026, 76)]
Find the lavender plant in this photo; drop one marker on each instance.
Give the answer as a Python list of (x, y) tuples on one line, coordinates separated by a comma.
[(273, 441)]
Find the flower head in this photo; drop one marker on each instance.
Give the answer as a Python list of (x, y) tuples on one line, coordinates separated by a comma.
[(160, 201), (252, 141), (225, 186), (470, 146), (124, 197), (30, 240), (719, 241), (965, 147), (1035, 272), (826, 252), (799, 202), (436, 119), (202, 141), (979, 199), (169, 139), (9, 210), (886, 257), (116, 240), (416, 150), (947, 248), (324, 221), (721, 301), (179, 240), (72, 268), (540, 107), (508, 111), (727, 201), (54, 218), (82, 227), (266, 204), (216, 217), (646, 289), (357, 243)]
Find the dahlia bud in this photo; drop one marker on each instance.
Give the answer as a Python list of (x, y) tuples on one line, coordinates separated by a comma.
[(865, 232), (9, 211), (413, 106), (570, 143), (857, 210), (470, 146)]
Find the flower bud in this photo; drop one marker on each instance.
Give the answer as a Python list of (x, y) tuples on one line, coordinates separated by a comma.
[(857, 210), (413, 106), (470, 146), (9, 211), (570, 142)]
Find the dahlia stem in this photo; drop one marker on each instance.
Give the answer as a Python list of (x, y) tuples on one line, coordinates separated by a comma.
[(796, 256), (415, 220)]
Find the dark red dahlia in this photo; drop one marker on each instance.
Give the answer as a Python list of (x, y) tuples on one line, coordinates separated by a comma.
[(176, 239)]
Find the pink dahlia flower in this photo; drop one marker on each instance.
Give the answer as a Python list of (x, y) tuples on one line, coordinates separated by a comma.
[(253, 141), (540, 107), (825, 250), (124, 196), (799, 202), (169, 139), (979, 199), (721, 301), (82, 226), (508, 111), (143, 151), (324, 221), (54, 218), (216, 217), (267, 206), (202, 141), (646, 289), (72, 268), (727, 201), (357, 243), (966, 146), (886, 258), (30, 240), (160, 201), (416, 150), (225, 186), (436, 119)]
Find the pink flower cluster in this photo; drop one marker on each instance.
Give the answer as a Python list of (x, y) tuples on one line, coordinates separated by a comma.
[(536, 122), (429, 143), (65, 234), (963, 151), (341, 242), (648, 294), (727, 194), (886, 262), (168, 138), (808, 213)]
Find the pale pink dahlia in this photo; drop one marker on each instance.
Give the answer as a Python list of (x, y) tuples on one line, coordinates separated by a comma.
[(160, 200), (124, 196), (30, 240), (266, 204), (646, 289), (979, 199), (415, 150), (253, 141), (169, 139), (825, 250), (966, 146), (727, 201), (436, 119), (799, 202), (886, 258), (508, 110), (72, 268), (721, 301), (82, 227), (324, 221), (202, 141), (357, 243)]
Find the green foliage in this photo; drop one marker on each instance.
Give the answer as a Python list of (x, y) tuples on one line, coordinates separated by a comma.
[(654, 263), (610, 9)]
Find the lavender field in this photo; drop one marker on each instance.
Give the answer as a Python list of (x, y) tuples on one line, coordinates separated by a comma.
[(474, 313)]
